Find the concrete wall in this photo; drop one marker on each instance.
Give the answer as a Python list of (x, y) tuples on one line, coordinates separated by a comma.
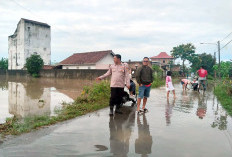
[(87, 74)]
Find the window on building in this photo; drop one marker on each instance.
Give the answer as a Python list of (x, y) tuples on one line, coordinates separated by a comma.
[(45, 49), (164, 61), (35, 53), (28, 28)]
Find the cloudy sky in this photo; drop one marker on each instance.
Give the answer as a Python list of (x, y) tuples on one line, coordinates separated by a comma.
[(133, 28)]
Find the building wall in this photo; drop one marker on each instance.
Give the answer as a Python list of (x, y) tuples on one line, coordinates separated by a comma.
[(159, 60), (37, 40), (105, 62), (16, 48), (78, 67), (29, 38)]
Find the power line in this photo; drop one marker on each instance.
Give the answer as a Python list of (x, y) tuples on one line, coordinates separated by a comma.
[(226, 36), (23, 7), (226, 44)]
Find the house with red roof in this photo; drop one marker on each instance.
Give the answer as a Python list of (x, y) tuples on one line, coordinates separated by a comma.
[(163, 60), (89, 60)]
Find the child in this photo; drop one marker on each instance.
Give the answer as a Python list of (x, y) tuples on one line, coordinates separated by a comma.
[(184, 83), (169, 84)]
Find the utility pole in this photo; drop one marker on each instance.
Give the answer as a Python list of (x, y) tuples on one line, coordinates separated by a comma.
[(219, 62), (215, 75)]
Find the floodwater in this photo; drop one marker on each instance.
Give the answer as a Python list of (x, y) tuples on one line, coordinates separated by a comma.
[(27, 97), (193, 125)]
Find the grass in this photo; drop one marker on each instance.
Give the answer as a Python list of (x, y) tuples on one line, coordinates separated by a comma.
[(91, 99), (158, 82), (223, 91)]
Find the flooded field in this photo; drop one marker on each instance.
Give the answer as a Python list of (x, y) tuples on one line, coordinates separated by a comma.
[(20, 97)]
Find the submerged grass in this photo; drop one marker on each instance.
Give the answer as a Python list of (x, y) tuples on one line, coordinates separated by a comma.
[(223, 91), (92, 99)]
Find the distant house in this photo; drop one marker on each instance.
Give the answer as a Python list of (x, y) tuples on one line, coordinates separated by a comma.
[(30, 37), (89, 60), (161, 59)]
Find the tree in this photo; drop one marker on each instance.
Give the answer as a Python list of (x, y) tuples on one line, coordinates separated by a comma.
[(225, 69), (34, 64), (4, 64), (206, 60), (184, 52)]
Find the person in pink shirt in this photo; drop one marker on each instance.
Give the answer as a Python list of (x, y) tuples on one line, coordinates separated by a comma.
[(119, 73), (202, 73), (169, 85), (184, 83)]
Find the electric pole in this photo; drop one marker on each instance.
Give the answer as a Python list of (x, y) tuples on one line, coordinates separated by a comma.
[(219, 62)]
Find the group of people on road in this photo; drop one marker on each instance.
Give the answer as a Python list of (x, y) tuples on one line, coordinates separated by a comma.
[(119, 73), (196, 83), (120, 78)]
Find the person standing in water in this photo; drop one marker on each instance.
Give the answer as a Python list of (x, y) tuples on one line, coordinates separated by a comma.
[(119, 73), (169, 85), (144, 77)]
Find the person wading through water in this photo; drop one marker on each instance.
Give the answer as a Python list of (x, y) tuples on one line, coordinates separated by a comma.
[(119, 73), (144, 78)]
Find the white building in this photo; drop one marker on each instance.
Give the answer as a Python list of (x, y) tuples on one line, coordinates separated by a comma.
[(30, 37), (89, 60)]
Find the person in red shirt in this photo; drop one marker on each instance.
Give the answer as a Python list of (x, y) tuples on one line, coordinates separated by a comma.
[(202, 73)]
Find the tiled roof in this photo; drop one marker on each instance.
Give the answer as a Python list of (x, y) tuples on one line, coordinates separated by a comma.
[(86, 58), (162, 55)]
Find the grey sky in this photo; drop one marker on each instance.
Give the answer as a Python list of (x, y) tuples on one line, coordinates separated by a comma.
[(133, 28)]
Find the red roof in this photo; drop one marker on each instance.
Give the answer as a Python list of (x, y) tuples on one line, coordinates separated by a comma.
[(162, 55), (86, 57)]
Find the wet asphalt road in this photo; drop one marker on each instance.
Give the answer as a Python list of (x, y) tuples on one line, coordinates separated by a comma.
[(193, 125)]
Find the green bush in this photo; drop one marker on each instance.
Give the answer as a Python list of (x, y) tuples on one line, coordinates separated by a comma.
[(210, 77), (34, 64)]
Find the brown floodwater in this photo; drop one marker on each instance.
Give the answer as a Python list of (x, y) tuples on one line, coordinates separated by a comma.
[(193, 125), (27, 97)]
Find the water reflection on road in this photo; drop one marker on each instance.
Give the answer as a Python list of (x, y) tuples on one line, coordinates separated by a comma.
[(192, 125)]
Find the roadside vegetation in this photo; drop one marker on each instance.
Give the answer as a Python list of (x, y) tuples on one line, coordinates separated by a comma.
[(159, 80), (92, 99), (223, 91)]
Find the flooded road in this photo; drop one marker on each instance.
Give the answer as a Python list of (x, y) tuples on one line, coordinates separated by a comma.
[(24, 97), (193, 125)]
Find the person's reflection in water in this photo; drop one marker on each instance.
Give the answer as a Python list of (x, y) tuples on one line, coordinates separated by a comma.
[(144, 141), (202, 107), (168, 111), (120, 132)]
